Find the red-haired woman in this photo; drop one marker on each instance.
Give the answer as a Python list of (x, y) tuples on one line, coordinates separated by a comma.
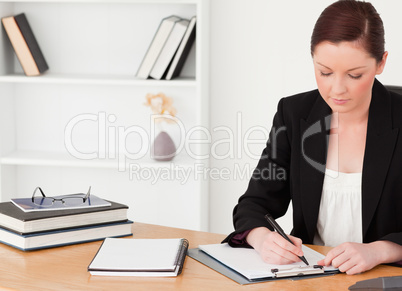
[(339, 149)]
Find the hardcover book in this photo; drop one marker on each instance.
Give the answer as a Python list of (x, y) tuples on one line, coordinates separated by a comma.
[(56, 238), (183, 51), (156, 46), (14, 219), (25, 44), (169, 49)]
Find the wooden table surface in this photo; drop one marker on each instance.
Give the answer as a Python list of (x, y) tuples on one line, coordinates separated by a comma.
[(65, 268)]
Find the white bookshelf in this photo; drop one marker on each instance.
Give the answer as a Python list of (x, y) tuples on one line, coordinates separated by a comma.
[(90, 100), (60, 159), (118, 80)]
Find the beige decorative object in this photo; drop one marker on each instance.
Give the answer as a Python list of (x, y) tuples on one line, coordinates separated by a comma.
[(163, 147)]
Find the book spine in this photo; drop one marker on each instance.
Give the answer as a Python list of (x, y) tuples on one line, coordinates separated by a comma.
[(169, 49), (182, 255), (31, 41), (157, 43), (183, 52)]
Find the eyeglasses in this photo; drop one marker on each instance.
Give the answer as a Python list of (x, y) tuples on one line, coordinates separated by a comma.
[(66, 200)]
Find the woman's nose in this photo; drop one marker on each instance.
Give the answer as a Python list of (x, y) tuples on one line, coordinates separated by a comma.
[(338, 86)]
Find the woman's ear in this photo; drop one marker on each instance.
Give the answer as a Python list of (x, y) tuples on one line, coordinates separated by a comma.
[(381, 65)]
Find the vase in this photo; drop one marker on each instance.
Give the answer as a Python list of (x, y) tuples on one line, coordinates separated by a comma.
[(163, 147)]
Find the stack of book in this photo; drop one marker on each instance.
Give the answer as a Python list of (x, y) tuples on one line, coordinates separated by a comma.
[(25, 44), (169, 49), (52, 228)]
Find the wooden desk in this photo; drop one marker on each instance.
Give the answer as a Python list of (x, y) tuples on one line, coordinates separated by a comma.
[(66, 268)]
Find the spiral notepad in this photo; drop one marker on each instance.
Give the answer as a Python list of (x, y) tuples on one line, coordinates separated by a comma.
[(140, 257)]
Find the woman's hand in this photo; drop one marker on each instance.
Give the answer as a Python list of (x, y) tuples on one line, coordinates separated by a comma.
[(273, 248), (355, 258)]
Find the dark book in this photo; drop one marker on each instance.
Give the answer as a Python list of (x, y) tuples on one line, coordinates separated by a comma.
[(183, 51), (169, 49), (57, 238), (16, 220), (140, 257), (25, 44), (31, 41), (161, 35)]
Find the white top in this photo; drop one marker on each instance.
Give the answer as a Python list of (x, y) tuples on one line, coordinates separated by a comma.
[(340, 215)]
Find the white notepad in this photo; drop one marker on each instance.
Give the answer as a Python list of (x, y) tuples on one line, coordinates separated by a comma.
[(250, 264), (139, 257)]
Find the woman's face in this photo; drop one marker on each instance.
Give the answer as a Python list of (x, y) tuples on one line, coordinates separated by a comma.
[(345, 75)]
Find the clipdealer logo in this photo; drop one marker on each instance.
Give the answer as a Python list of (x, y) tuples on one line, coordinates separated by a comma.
[(112, 144), (112, 139)]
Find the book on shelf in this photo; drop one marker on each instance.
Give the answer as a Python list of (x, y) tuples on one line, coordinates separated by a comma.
[(16, 220), (140, 257), (25, 44), (169, 49), (183, 50), (62, 237), (157, 43)]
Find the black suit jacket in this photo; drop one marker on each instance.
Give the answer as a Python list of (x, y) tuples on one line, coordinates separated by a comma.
[(292, 168)]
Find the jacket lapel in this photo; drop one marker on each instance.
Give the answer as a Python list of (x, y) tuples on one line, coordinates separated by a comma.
[(314, 143), (380, 144)]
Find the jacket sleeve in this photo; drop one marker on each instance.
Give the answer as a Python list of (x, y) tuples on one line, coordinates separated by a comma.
[(268, 189)]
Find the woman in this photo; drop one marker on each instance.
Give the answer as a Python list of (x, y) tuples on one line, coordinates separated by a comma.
[(341, 149)]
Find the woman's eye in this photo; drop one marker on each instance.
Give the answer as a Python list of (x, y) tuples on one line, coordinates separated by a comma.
[(356, 77), (325, 74)]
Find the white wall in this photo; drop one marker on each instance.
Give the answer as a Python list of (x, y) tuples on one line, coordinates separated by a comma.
[(260, 52)]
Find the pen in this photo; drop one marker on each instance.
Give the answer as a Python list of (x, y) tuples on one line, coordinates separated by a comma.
[(279, 230)]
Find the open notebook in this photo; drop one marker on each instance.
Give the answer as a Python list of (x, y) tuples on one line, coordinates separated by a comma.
[(247, 264)]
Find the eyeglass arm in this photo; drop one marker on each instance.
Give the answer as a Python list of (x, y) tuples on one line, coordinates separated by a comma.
[(40, 190), (87, 195)]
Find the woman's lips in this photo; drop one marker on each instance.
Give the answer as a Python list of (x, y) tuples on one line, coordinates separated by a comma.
[(339, 101)]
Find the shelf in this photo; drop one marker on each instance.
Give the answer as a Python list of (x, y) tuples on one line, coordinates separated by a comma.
[(54, 159), (94, 48), (106, 1), (116, 80)]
